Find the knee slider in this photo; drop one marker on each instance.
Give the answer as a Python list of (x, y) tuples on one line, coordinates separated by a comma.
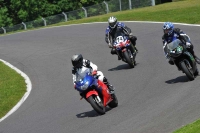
[(105, 79), (134, 38), (113, 51)]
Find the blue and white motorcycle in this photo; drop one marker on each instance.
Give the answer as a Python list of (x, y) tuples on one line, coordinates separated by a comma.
[(125, 50)]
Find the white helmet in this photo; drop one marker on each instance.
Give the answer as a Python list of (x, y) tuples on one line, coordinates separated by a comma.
[(112, 21)]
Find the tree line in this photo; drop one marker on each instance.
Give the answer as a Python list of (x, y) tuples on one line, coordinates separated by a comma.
[(13, 12)]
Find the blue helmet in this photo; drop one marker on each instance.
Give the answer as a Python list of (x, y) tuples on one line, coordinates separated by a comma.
[(168, 28)]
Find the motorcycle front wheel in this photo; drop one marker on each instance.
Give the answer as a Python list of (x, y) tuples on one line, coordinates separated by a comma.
[(97, 104), (130, 61), (185, 68)]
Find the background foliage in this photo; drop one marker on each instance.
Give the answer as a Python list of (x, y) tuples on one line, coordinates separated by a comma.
[(13, 12)]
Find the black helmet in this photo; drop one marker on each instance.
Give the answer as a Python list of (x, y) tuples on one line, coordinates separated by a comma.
[(77, 60)]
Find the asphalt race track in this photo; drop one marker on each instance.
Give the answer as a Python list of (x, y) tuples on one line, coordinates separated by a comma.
[(154, 97)]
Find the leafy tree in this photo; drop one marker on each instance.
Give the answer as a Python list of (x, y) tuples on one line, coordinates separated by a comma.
[(5, 20), (29, 10), (25, 10), (66, 5)]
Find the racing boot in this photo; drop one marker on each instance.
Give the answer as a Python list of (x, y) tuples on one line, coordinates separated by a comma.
[(136, 50), (170, 62), (196, 73), (133, 41), (195, 57), (113, 51), (178, 67), (119, 58), (110, 87)]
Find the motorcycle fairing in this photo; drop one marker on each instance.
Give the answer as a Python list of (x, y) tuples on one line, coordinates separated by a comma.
[(92, 92), (188, 59), (105, 93), (190, 56), (121, 42)]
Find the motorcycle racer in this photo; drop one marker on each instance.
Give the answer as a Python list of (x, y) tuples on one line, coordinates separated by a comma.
[(83, 66), (114, 25), (171, 33)]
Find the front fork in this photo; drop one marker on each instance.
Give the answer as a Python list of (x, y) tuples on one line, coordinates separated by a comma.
[(193, 65), (119, 53)]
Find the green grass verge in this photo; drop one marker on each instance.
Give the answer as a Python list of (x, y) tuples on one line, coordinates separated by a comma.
[(190, 128), (12, 85), (12, 88), (187, 11)]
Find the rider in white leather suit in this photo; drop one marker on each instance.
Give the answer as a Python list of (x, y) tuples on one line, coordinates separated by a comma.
[(82, 66)]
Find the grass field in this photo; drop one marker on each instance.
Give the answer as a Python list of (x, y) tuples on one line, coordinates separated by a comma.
[(12, 88), (187, 11), (12, 85)]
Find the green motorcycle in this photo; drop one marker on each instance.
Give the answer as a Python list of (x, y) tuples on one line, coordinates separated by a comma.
[(183, 59)]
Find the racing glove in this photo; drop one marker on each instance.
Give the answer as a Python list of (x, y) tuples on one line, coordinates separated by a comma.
[(130, 35), (110, 45), (94, 72), (188, 44)]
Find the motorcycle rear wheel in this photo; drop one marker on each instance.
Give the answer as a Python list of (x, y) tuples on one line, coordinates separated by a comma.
[(97, 106), (186, 70)]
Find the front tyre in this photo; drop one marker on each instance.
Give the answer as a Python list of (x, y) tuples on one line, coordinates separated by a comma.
[(97, 104), (187, 71), (128, 59)]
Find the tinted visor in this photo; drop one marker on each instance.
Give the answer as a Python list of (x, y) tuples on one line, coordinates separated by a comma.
[(113, 24), (77, 64), (166, 31)]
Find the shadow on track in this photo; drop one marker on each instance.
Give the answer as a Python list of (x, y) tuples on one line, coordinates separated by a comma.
[(178, 80), (121, 67), (91, 113)]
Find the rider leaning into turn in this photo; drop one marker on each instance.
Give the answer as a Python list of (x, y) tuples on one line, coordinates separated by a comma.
[(114, 25), (170, 33), (82, 66)]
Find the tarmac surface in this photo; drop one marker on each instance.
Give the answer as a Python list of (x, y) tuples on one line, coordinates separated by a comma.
[(154, 97)]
